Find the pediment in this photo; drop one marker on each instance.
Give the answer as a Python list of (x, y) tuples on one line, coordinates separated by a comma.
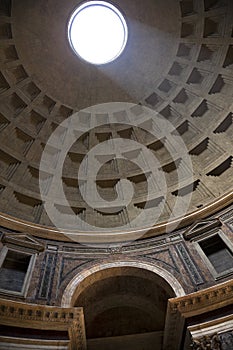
[(201, 227), (22, 240)]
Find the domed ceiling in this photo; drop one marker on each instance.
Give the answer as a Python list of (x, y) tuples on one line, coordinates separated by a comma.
[(163, 111)]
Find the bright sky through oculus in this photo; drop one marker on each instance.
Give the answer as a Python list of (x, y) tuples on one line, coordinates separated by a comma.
[(97, 32)]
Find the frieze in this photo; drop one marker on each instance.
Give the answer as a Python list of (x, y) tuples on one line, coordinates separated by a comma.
[(227, 215), (128, 248)]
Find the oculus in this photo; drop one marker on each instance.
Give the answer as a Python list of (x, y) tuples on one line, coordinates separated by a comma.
[(97, 32)]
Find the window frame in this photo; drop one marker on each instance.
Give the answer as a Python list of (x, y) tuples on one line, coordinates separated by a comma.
[(204, 257), (3, 254)]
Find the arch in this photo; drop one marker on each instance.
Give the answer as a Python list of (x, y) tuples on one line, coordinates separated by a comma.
[(68, 295)]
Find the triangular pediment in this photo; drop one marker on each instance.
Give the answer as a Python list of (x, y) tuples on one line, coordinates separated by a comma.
[(200, 227), (22, 240)]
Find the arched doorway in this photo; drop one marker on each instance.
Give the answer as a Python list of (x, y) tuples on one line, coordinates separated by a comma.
[(124, 305)]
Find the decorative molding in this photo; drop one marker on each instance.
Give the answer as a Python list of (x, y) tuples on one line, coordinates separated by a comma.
[(22, 240), (24, 315), (226, 215), (46, 279), (69, 294), (198, 303), (28, 274), (215, 341), (207, 342), (53, 234), (189, 264), (201, 227), (117, 250), (220, 325), (205, 300)]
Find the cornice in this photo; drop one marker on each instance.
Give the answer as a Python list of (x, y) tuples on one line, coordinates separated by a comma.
[(198, 303), (203, 301), (52, 233), (24, 315)]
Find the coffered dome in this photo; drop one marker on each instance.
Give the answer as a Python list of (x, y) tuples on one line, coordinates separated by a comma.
[(168, 96)]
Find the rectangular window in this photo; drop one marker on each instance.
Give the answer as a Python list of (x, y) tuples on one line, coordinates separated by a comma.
[(218, 253), (14, 271)]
